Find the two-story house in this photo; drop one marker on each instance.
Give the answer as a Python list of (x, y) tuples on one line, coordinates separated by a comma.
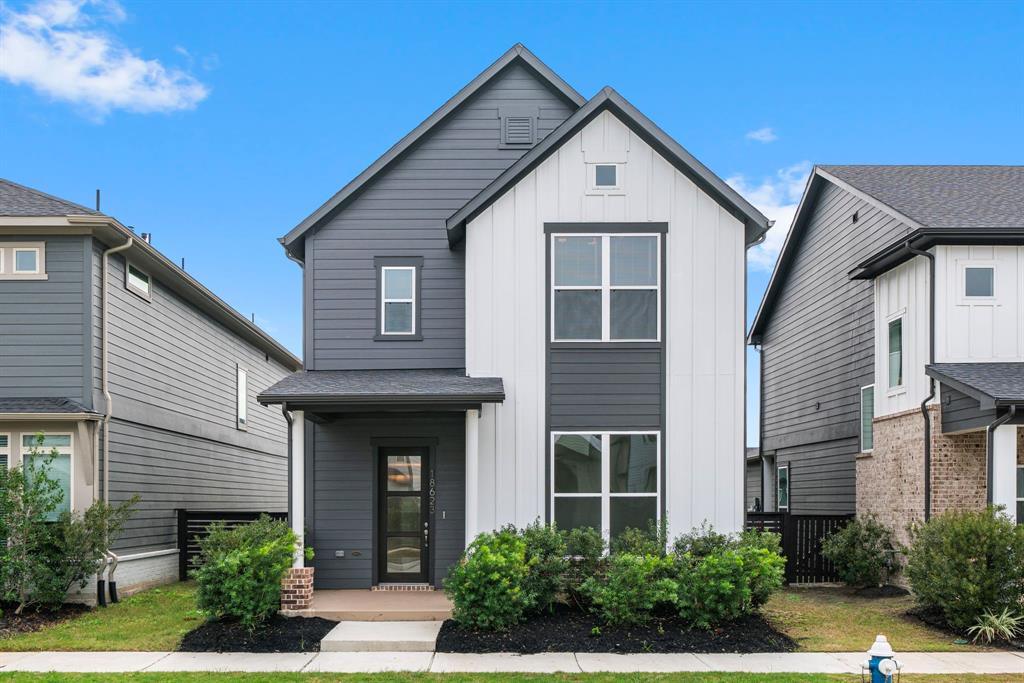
[(142, 379), (531, 307), (892, 345)]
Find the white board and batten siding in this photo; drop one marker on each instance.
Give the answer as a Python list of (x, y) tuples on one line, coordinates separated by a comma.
[(505, 326), (966, 330)]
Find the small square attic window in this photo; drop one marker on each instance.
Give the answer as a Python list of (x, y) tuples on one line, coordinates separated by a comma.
[(517, 130), (605, 175)]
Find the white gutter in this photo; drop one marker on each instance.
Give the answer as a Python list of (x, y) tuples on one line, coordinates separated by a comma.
[(110, 404)]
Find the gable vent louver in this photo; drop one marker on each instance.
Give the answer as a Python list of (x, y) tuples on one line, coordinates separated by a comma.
[(518, 130)]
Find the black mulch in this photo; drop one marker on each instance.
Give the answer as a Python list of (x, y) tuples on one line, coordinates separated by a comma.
[(277, 634), (33, 619), (888, 591), (572, 631)]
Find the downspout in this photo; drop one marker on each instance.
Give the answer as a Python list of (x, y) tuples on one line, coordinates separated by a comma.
[(931, 380), (990, 448), (288, 419), (111, 556)]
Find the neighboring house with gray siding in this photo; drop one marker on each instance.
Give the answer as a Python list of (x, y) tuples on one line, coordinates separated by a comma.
[(531, 307), (851, 354), (182, 370)]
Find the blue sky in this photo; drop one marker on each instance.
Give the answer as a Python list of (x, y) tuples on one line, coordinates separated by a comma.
[(219, 126)]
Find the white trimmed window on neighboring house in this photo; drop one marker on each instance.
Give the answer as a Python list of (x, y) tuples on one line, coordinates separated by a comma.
[(138, 282), (609, 481), (241, 397), (867, 416), (782, 481), (23, 261), (895, 353), (55, 453), (5, 451), (606, 287), (398, 300)]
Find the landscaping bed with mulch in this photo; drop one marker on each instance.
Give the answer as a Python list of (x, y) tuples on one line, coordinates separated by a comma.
[(937, 620), (33, 619), (568, 630), (277, 634)]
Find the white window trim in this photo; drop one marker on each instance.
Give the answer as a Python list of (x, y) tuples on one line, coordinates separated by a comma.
[(620, 179), (9, 257), (8, 450), (606, 287), (902, 386), (789, 487), (962, 297), (1020, 496), (862, 449), (606, 465), (241, 398), (384, 300), (69, 451), (137, 291)]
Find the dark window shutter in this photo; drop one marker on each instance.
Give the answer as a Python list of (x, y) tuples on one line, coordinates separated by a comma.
[(518, 130)]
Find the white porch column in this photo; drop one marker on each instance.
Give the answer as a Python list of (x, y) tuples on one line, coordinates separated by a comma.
[(472, 473), (1004, 469), (298, 483)]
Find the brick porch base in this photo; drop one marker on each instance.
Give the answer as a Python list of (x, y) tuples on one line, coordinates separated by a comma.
[(297, 589)]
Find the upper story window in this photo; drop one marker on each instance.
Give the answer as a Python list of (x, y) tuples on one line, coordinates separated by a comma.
[(896, 353), (782, 481), (138, 282), (241, 397), (1020, 495), (606, 287), (605, 178), (867, 416), (23, 261), (54, 453), (398, 298), (979, 281)]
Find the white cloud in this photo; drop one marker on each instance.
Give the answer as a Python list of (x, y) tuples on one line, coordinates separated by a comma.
[(777, 197), (765, 135), (57, 48)]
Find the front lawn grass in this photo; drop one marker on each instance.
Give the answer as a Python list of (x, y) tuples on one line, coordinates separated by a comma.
[(152, 620), (836, 620), (476, 677)]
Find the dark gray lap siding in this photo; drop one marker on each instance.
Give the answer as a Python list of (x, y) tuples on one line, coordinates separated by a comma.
[(341, 514), (605, 388)]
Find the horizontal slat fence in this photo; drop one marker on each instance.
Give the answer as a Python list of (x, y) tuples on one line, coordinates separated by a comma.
[(802, 536), (193, 525)]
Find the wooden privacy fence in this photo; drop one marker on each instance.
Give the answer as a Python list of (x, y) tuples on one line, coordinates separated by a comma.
[(802, 536), (194, 525)]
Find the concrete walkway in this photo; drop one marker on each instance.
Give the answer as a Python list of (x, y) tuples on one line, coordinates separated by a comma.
[(372, 662)]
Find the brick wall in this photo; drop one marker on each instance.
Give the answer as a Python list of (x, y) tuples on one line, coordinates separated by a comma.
[(297, 589)]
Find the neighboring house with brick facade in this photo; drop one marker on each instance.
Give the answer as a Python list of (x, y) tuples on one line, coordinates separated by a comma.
[(852, 356)]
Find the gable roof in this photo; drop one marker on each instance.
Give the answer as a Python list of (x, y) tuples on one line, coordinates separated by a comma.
[(516, 54), (756, 223), (991, 384), (18, 200), (940, 204)]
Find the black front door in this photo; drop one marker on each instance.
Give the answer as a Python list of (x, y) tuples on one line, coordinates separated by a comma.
[(404, 540)]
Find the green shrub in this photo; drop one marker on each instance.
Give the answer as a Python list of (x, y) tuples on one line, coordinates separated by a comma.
[(764, 570), (546, 563), (702, 542), (967, 563), (1003, 626), (863, 552), (585, 547), (651, 540), (631, 588), (712, 589), (486, 586), (240, 569)]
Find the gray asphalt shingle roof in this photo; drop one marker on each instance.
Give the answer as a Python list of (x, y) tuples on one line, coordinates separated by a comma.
[(18, 200), (1002, 383), (384, 386), (41, 405), (944, 196)]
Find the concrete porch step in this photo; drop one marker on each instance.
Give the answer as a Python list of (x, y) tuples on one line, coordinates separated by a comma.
[(383, 606), (382, 636)]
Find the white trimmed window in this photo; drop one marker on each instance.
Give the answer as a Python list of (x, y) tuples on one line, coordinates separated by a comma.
[(5, 451), (867, 416), (241, 395), (610, 481), (782, 482), (398, 300), (1020, 494), (55, 451), (23, 261), (895, 363), (606, 287), (137, 281)]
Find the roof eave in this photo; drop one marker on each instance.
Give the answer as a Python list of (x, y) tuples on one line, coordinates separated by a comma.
[(380, 399), (516, 52), (923, 239)]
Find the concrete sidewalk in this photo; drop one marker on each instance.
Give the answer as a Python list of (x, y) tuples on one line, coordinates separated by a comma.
[(441, 662)]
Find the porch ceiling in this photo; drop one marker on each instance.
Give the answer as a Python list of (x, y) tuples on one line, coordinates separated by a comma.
[(344, 390)]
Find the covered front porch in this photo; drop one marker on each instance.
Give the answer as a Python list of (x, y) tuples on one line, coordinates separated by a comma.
[(379, 461)]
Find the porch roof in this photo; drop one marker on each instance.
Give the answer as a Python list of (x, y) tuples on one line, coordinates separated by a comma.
[(992, 384), (46, 407), (421, 389)]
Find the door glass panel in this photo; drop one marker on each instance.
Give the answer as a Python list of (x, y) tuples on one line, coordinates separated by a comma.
[(404, 472), (403, 555), (404, 513)]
